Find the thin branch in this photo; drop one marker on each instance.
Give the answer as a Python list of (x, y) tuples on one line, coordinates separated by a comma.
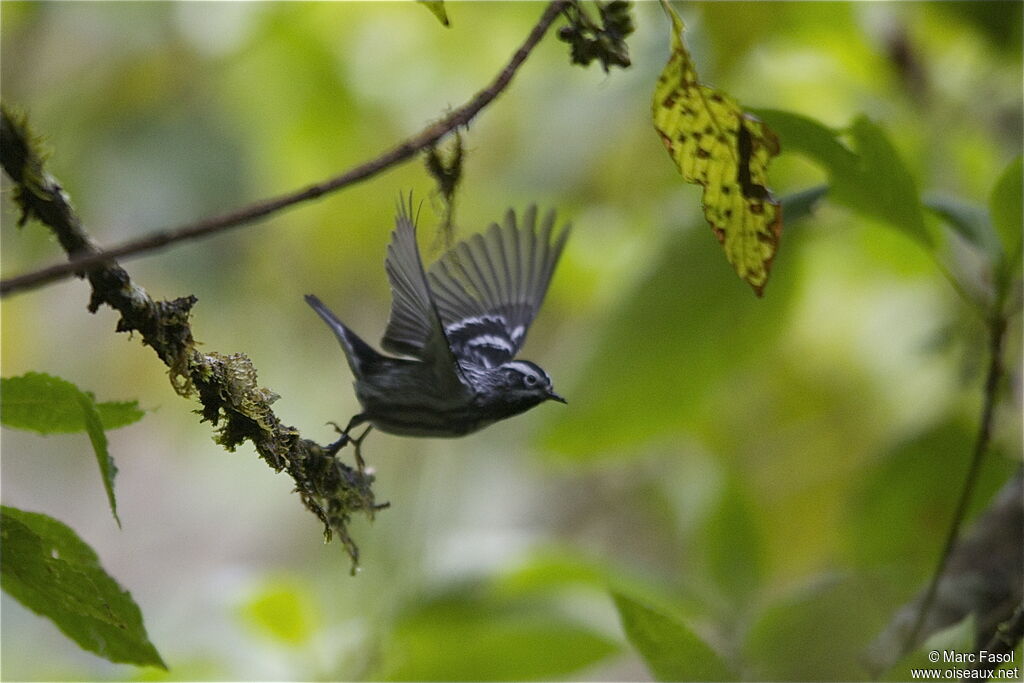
[(402, 152), (997, 333)]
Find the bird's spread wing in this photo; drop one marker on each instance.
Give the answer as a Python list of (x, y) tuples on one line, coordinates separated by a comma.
[(414, 327), (489, 288)]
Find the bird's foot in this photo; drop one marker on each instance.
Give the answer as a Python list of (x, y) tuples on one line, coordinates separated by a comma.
[(333, 448), (345, 439)]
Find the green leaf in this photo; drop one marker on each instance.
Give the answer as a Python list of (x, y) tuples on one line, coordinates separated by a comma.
[(1005, 208), (883, 174), (50, 405), (671, 650), (41, 403), (733, 543), (813, 139), (468, 634), (870, 179), (98, 438), (819, 633), (47, 568), (968, 220), (436, 8), (282, 610), (717, 145), (801, 204), (550, 571), (117, 414)]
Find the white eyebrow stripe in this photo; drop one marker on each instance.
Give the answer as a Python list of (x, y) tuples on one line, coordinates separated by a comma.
[(527, 369)]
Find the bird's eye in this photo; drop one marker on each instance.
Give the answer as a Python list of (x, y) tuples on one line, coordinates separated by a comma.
[(530, 380)]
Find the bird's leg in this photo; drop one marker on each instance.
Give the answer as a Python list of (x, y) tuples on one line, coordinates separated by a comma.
[(358, 443), (333, 448)]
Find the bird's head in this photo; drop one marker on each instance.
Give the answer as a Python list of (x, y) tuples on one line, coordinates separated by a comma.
[(526, 383)]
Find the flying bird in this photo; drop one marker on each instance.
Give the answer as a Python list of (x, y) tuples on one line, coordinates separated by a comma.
[(459, 326)]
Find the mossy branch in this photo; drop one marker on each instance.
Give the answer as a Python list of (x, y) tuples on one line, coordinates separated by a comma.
[(225, 385)]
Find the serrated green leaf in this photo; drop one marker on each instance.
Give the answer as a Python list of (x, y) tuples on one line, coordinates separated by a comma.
[(46, 404), (117, 414), (717, 145), (1005, 209), (49, 405), (41, 403), (50, 570), (436, 8), (671, 650), (98, 438)]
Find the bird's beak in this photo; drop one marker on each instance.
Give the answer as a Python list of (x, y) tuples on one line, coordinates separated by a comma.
[(555, 397)]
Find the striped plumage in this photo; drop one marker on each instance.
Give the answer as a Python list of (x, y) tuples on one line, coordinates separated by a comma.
[(461, 323)]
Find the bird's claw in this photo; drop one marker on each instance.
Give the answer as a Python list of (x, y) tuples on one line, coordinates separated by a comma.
[(333, 448)]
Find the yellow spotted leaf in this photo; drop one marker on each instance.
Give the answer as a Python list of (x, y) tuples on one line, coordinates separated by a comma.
[(717, 145)]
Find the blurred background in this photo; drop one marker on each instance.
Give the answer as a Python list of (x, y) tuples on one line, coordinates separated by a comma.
[(773, 470)]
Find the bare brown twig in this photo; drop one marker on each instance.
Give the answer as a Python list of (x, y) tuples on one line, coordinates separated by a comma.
[(405, 150)]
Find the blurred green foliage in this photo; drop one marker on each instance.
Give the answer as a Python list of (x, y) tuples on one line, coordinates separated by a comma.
[(872, 180), (470, 632), (671, 650), (777, 475), (283, 610), (956, 638), (1005, 208)]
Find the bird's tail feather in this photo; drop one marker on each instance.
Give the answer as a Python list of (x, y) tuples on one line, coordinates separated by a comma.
[(358, 353)]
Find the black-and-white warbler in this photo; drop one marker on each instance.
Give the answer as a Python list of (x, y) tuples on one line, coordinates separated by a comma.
[(462, 322)]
